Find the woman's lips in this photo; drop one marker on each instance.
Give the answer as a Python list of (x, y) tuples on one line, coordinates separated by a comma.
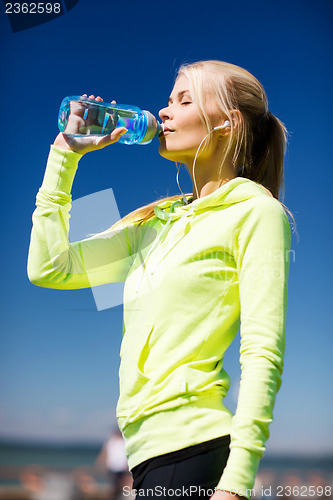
[(167, 131)]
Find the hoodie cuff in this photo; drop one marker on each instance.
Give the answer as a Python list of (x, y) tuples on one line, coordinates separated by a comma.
[(60, 170), (239, 474)]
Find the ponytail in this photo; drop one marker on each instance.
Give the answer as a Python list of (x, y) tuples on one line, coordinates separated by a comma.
[(264, 152)]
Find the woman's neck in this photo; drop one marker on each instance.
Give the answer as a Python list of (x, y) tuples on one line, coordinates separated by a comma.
[(208, 178)]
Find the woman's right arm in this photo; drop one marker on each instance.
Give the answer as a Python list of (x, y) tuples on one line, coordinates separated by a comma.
[(53, 262)]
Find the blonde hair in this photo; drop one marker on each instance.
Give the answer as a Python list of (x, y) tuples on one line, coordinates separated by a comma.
[(257, 143)]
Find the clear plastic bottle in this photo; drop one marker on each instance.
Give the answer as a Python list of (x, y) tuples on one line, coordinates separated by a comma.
[(90, 117)]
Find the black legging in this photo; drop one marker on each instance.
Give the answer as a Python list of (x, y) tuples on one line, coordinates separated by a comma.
[(193, 476)]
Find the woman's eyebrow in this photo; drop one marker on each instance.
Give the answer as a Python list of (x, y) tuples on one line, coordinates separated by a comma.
[(179, 95)]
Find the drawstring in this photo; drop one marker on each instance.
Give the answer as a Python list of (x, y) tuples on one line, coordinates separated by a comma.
[(162, 214)]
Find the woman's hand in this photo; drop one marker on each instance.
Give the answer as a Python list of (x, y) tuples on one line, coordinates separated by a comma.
[(86, 144)]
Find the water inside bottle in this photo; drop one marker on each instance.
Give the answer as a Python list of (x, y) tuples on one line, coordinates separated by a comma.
[(79, 118)]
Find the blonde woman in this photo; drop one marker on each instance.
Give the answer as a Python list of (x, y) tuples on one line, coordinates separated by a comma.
[(196, 267)]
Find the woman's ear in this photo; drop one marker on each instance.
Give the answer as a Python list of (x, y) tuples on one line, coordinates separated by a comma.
[(226, 127), (237, 118)]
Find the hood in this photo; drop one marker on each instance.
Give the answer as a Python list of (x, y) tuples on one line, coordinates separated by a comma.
[(234, 191)]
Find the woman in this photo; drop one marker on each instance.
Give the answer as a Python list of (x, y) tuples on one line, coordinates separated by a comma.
[(195, 268)]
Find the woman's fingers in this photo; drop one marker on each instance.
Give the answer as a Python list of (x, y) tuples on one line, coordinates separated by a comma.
[(92, 113), (98, 98)]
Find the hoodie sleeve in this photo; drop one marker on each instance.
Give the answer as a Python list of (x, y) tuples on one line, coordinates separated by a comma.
[(262, 256), (53, 262)]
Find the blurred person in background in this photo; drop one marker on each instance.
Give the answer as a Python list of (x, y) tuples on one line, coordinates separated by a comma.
[(112, 459)]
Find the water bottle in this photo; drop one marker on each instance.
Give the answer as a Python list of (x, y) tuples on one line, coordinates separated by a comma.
[(90, 117)]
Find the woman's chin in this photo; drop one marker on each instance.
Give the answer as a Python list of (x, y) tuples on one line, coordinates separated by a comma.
[(163, 151), (171, 155)]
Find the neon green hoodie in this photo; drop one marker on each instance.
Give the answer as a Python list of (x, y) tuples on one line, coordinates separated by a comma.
[(193, 274)]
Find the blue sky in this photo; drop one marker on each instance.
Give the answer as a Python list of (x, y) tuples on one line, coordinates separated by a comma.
[(59, 354)]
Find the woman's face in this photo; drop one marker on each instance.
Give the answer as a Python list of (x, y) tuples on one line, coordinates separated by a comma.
[(184, 129)]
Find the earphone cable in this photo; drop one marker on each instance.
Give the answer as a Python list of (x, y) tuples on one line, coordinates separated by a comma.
[(178, 165), (195, 158)]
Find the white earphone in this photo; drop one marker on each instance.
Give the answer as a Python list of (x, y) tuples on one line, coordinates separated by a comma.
[(225, 124)]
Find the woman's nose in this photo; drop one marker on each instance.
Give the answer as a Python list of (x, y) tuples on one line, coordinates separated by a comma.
[(164, 113)]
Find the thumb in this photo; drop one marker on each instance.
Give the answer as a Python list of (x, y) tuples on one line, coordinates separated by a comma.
[(106, 140)]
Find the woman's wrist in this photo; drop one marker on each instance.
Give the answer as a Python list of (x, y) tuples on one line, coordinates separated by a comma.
[(60, 142)]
